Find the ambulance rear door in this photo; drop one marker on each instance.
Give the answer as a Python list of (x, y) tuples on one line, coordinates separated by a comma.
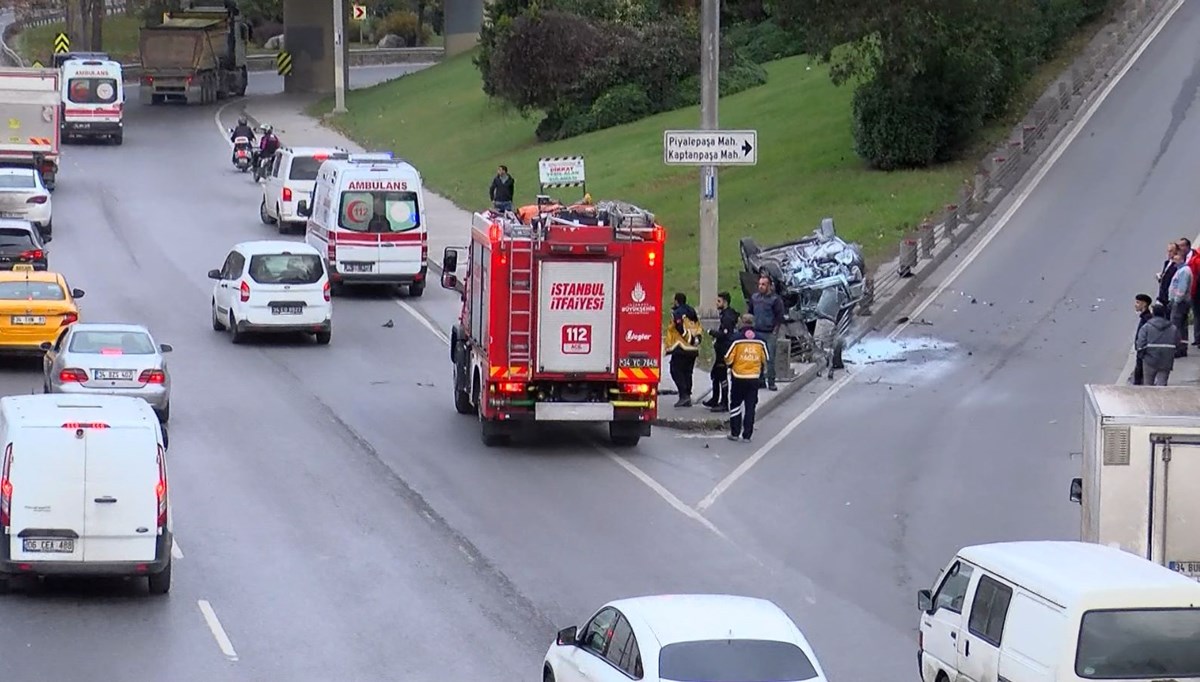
[(92, 91), (382, 220)]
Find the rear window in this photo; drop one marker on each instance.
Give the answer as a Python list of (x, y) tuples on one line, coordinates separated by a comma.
[(17, 181), (1139, 644), (283, 268), (734, 660), (31, 291), (379, 211), (128, 343), (10, 236), (306, 167), (92, 90)]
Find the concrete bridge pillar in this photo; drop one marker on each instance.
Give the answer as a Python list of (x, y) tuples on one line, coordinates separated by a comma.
[(308, 38), (463, 18)]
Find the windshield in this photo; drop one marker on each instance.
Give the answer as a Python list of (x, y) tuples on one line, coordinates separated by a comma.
[(31, 291), (92, 90), (285, 268), (379, 211), (1139, 643), (734, 660), (306, 167), (13, 237), (128, 343), (17, 181)]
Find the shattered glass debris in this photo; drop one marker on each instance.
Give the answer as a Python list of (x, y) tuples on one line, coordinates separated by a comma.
[(821, 278)]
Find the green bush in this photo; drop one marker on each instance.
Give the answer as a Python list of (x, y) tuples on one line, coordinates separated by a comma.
[(404, 24), (764, 42), (498, 18), (893, 126)]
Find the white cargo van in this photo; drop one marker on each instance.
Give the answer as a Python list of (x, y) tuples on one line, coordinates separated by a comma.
[(367, 215), (83, 489), (1057, 611)]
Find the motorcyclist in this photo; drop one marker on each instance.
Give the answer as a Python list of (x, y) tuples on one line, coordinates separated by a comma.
[(243, 129), (267, 146)]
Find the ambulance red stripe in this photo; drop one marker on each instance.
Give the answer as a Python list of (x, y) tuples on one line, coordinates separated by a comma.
[(349, 237)]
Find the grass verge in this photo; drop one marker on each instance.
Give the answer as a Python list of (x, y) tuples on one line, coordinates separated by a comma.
[(120, 39), (807, 168)]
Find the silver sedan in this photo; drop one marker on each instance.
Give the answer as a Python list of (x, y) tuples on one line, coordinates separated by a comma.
[(117, 359)]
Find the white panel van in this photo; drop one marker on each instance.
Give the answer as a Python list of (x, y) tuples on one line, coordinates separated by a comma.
[(1057, 611), (83, 489)]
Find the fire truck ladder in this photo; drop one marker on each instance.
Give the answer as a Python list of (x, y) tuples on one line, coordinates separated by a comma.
[(523, 245)]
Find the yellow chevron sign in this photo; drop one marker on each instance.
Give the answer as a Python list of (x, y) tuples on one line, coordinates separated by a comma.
[(62, 43)]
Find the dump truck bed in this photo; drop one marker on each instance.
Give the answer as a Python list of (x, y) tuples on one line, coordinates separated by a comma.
[(179, 49), (29, 110)]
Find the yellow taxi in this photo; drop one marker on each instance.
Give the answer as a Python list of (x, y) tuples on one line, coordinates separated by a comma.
[(35, 307)]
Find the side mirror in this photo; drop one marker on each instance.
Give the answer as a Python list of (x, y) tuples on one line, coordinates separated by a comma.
[(166, 347), (567, 636), (449, 281), (925, 601), (450, 260), (1076, 494), (77, 293), (47, 346), (303, 209), (214, 274)]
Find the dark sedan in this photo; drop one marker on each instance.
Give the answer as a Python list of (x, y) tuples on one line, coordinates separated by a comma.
[(20, 242)]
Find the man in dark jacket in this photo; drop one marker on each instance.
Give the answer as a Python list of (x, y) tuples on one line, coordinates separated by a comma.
[(767, 308), (501, 191), (722, 338), (683, 349), (1164, 276), (1141, 305), (1156, 341)]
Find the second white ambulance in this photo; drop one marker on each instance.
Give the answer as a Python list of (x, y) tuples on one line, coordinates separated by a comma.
[(367, 215), (93, 98)]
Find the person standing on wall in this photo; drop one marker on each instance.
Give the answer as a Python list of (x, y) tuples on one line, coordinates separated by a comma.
[(1156, 340), (767, 308), (502, 190), (1141, 306), (1164, 276), (1180, 298), (683, 337), (745, 358), (722, 338)]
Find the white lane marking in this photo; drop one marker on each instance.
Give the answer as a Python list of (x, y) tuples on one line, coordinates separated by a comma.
[(660, 490), (954, 274), (425, 322), (221, 130), (218, 632), (176, 553)]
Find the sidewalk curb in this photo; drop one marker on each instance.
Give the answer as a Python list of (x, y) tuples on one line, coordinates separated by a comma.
[(789, 389)]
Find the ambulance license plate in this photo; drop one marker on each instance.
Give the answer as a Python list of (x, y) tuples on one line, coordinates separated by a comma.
[(48, 545), (28, 319), (287, 310), (358, 267)]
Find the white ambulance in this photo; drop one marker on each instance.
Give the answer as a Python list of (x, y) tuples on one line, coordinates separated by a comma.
[(367, 215), (93, 95)]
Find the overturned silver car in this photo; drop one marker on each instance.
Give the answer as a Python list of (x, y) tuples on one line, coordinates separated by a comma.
[(821, 279)]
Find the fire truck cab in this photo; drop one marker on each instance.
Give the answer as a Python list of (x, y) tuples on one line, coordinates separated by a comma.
[(560, 319)]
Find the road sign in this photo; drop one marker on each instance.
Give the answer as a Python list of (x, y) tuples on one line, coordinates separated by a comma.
[(561, 171), (62, 43), (358, 12), (37, 64), (710, 147), (283, 63)]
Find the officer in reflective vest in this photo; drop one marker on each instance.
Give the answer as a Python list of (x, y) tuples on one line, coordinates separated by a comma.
[(746, 358)]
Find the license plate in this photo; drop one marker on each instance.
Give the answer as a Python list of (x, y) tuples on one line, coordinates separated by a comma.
[(115, 374), (287, 310), (358, 267), (11, 214), (1189, 568), (28, 319), (82, 126), (51, 545)]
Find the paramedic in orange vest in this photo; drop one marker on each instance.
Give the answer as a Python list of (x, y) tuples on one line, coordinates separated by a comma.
[(683, 347), (746, 359)]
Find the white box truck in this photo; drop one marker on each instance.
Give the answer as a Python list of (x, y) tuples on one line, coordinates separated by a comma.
[(1140, 485), (30, 111)]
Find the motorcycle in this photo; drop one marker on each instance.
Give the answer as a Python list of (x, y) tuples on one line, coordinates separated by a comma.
[(260, 167), (241, 153)]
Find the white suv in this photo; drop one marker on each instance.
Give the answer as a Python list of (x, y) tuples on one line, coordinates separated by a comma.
[(291, 176), (272, 286)]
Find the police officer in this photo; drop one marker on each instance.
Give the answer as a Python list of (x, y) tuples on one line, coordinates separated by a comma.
[(746, 358), (722, 337)]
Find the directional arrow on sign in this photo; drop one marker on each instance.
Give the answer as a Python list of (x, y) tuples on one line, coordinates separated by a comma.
[(747, 148), (359, 12)]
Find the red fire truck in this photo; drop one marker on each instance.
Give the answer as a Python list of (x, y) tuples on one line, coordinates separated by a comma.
[(560, 319)]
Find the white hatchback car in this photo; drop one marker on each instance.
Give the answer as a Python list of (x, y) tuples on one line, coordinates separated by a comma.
[(292, 176), (24, 195), (272, 286), (684, 638)]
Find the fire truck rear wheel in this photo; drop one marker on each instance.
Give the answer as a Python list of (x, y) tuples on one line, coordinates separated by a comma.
[(462, 397), (624, 435)]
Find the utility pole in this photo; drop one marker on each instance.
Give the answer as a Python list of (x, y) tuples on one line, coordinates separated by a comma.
[(339, 57), (710, 65), (75, 24), (99, 10)]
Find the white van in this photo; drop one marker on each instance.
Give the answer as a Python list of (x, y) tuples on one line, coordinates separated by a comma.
[(291, 175), (367, 214), (83, 489), (1058, 611), (93, 95)]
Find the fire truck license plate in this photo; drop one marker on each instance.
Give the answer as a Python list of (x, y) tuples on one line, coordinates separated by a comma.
[(576, 339)]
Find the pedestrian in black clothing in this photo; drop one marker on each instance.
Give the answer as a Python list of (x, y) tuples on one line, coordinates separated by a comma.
[(684, 335), (767, 308), (501, 191), (722, 337), (1141, 305), (1156, 340), (1164, 276)]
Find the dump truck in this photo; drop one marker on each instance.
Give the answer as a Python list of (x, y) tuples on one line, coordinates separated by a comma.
[(31, 108), (1141, 472), (194, 55)]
